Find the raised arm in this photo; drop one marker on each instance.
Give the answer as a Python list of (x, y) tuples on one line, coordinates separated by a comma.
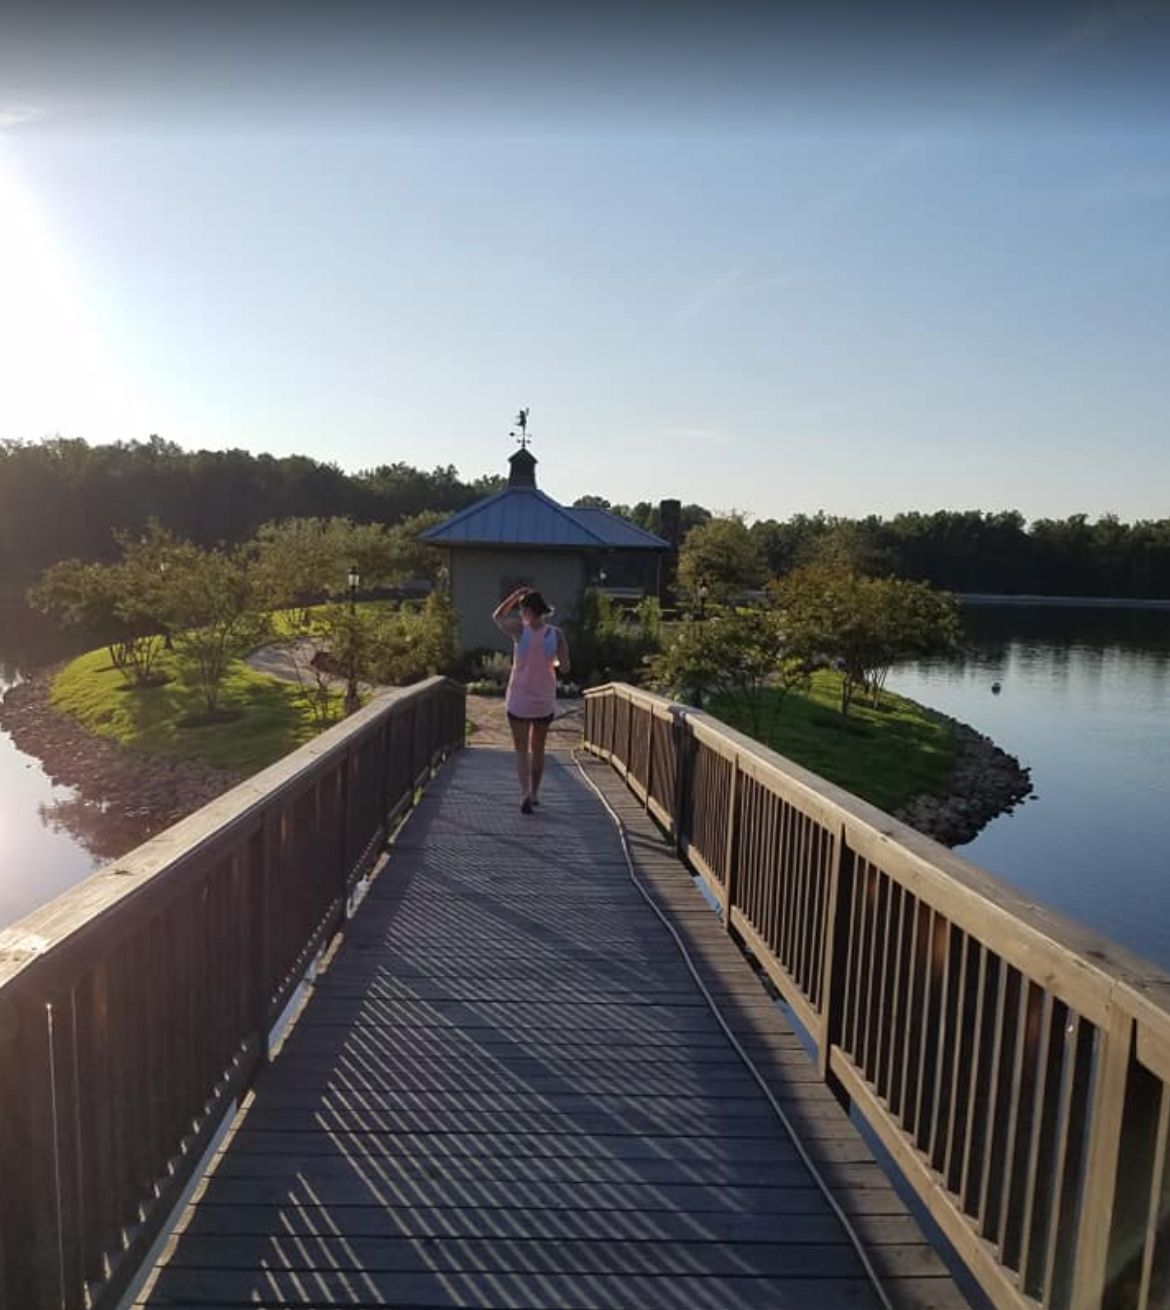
[(503, 617), (562, 654)]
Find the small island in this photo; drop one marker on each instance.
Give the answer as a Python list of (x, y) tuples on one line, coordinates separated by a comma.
[(218, 662)]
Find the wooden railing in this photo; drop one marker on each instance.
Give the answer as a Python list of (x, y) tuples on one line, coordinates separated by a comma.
[(1015, 1066), (136, 1007)]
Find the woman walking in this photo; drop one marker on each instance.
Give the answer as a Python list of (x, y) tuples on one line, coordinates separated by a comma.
[(539, 651)]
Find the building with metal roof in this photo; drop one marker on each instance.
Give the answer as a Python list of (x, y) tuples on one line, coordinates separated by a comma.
[(520, 535)]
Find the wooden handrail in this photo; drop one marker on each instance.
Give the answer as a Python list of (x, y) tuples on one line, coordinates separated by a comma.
[(136, 1007), (1015, 1064)]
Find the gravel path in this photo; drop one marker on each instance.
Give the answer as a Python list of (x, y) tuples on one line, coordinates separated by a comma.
[(490, 724), (486, 713)]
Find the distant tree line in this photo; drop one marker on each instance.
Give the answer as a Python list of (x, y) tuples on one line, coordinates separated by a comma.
[(65, 498), (957, 550), (975, 551)]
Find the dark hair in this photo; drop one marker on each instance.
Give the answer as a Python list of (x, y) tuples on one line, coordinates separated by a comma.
[(533, 600)]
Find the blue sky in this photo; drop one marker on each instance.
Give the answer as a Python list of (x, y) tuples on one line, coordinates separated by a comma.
[(766, 265)]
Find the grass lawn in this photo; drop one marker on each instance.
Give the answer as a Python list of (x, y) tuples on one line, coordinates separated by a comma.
[(286, 624), (274, 719), (884, 755)]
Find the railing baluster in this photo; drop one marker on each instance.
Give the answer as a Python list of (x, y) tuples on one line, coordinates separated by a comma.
[(1156, 1206), (731, 854), (833, 970), (150, 995), (1107, 1108), (992, 1048)]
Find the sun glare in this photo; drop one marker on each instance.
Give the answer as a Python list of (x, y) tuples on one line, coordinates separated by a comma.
[(55, 375)]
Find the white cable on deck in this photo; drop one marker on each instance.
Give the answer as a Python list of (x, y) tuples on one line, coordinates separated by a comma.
[(850, 1231)]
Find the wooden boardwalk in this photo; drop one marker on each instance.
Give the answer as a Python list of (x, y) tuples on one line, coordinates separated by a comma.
[(507, 1091)]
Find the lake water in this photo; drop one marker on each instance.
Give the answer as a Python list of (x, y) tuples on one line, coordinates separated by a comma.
[(1085, 703), (39, 855), (43, 849)]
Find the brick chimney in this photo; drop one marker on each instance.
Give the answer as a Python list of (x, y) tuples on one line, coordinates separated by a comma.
[(669, 529), (670, 518)]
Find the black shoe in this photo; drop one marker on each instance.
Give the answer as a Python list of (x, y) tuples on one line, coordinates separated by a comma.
[(526, 807)]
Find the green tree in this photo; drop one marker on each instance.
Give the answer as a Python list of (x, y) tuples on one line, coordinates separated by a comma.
[(123, 603), (854, 545), (722, 556), (405, 645), (743, 654), (410, 559), (215, 615), (298, 562), (862, 626)]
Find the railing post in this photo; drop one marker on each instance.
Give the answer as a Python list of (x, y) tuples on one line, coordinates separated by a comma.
[(836, 953), (649, 754), (680, 758), (259, 943), (611, 696), (29, 1212), (629, 736), (343, 835), (1107, 1112), (731, 856)]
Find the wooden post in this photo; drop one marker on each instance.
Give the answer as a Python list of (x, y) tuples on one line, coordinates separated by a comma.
[(731, 857), (649, 753), (1107, 1111), (629, 736), (269, 842), (836, 953), (680, 781), (32, 1263), (343, 819)]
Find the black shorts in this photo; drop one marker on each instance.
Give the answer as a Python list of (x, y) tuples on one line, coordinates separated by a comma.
[(546, 719)]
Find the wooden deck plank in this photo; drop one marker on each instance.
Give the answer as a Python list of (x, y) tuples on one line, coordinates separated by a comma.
[(559, 1225), (436, 1290), (507, 1092)]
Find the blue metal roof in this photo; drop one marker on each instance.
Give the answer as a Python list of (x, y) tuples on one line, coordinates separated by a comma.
[(523, 516), (617, 531)]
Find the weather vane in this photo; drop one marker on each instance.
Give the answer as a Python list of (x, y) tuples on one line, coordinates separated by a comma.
[(522, 424)]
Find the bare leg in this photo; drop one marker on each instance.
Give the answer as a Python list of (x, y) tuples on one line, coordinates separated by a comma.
[(539, 736), (520, 741)]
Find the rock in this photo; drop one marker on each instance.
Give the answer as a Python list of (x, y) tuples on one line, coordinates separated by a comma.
[(985, 783)]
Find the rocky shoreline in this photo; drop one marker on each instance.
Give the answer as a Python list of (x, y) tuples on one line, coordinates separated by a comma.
[(124, 796), (986, 782)]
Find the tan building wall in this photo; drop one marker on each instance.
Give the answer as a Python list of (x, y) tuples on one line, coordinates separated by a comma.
[(481, 578)]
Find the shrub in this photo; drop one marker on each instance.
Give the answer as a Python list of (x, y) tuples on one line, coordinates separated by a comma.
[(411, 643), (741, 654), (608, 644)]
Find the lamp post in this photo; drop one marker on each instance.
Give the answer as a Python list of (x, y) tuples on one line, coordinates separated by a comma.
[(702, 594), (351, 691), (168, 644)]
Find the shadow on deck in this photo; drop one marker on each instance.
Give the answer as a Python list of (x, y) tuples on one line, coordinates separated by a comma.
[(507, 1091)]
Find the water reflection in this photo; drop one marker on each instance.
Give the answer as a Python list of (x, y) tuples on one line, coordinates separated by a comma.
[(49, 837), (41, 852), (104, 834), (1083, 702), (28, 641)]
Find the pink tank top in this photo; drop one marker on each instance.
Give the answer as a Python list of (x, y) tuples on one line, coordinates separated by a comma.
[(532, 688)]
